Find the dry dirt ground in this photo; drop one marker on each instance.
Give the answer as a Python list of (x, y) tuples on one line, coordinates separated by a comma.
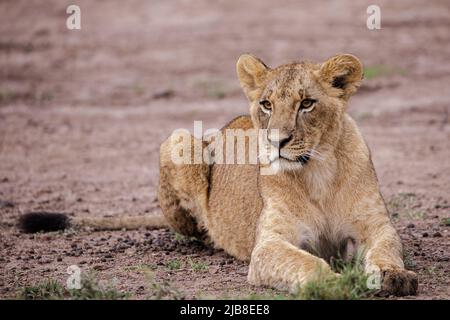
[(82, 114)]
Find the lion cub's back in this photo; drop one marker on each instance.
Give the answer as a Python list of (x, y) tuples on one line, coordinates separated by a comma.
[(234, 202)]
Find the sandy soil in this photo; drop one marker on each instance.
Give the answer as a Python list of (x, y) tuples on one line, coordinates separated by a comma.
[(82, 114)]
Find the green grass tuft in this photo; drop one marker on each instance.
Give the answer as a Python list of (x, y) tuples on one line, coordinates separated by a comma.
[(179, 237), (350, 285), (173, 264), (91, 289), (47, 290), (159, 290), (198, 266)]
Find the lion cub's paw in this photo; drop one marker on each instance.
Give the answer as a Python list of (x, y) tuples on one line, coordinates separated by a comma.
[(398, 282)]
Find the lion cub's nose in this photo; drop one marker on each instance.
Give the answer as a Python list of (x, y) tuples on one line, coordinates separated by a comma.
[(279, 140)]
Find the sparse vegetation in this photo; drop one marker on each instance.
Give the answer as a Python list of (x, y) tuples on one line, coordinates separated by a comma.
[(431, 270), (141, 268), (275, 296), (364, 115), (48, 290), (198, 266), (375, 71), (179, 237), (406, 205), (162, 290), (138, 89), (215, 89), (408, 260), (173, 264), (91, 289)]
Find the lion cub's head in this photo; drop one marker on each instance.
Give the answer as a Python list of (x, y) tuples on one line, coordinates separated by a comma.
[(304, 101)]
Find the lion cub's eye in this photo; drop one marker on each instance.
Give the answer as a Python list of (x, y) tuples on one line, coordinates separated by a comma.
[(307, 105), (266, 106)]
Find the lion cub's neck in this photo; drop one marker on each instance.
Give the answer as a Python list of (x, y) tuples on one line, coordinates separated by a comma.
[(318, 175)]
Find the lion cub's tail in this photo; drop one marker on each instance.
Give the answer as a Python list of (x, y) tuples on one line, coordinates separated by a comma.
[(49, 221)]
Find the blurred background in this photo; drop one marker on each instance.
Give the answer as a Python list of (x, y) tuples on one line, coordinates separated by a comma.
[(82, 112)]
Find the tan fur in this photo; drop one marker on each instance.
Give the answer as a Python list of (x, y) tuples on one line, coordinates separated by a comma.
[(290, 224)]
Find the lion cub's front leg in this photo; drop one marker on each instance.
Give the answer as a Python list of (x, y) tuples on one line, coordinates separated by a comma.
[(276, 261), (384, 256), (383, 250)]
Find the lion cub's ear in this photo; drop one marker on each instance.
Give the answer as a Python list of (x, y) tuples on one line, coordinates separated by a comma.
[(341, 75), (251, 73)]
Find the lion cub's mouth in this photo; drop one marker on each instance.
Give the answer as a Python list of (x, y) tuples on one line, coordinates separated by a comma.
[(303, 159)]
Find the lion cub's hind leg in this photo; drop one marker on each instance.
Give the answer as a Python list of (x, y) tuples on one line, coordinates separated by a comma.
[(183, 192)]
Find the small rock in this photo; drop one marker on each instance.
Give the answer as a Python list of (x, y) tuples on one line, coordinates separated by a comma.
[(6, 204), (165, 94), (213, 269), (425, 234)]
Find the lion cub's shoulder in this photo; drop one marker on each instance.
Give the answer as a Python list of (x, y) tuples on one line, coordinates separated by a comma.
[(241, 122)]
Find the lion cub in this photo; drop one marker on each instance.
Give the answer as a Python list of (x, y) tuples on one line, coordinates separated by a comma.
[(324, 196)]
